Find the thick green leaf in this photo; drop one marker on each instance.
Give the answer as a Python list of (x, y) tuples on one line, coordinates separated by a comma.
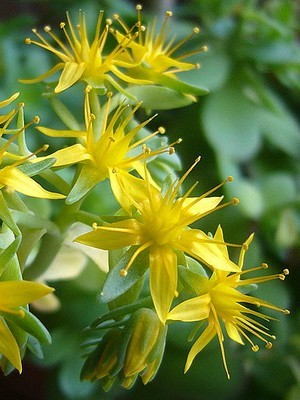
[(230, 123), (6, 216), (115, 284), (30, 324), (32, 169), (192, 281), (8, 253), (159, 97)]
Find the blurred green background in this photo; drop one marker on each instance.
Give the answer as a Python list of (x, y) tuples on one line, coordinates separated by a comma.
[(248, 127)]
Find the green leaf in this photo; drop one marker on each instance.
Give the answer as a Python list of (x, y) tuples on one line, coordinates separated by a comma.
[(192, 281), (278, 189), (251, 200), (230, 123), (30, 324), (6, 216), (115, 284), (159, 98), (8, 253), (32, 169)]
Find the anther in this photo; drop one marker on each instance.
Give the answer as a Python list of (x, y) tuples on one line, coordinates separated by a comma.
[(112, 139), (197, 160), (88, 89), (62, 25), (27, 41), (178, 141), (171, 150), (264, 266), (269, 345), (36, 119), (176, 294), (123, 272), (169, 13), (21, 104), (94, 225), (138, 7), (108, 21), (281, 277), (235, 201), (161, 130), (196, 30), (45, 147), (47, 28), (286, 312), (197, 65), (286, 271), (255, 348), (114, 170), (34, 30), (142, 28), (229, 178), (204, 49)]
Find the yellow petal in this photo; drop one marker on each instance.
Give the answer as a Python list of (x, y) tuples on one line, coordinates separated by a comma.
[(113, 236), (9, 347), (195, 309), (70, 74), (19, 293), (17, 180), (9, 100), (61, 132), (200, 246), (199, 345), (233, 333), (192, 207), (163, 279), (70, 155)]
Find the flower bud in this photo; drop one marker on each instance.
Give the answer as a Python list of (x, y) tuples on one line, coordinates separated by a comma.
[(143, 341), (103, 359)]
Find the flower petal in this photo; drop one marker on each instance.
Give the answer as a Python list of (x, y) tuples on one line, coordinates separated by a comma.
[(200, 343), (195, 309), (9, 347), (19, 293), (200, 246), (17, 180), (70, 74), (113, 236), (163, 279)]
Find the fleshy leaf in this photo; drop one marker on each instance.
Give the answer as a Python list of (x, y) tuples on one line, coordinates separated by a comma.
[(115, 284)]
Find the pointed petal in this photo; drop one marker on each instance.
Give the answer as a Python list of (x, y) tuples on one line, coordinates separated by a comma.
[(42, 77), (17, 180), (61, 132), (113, 236), (199, 345), (70, 155), (163, 279), (233, 333), (197, 244), (70, 74), (192, 207), (9, 100), (9, 347), (18, 293), (195, 309)]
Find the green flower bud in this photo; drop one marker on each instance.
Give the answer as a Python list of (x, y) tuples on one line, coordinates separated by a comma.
[(103, 359), (142, 343)]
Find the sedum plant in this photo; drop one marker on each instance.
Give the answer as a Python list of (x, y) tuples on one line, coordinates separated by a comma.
[(111, 182)]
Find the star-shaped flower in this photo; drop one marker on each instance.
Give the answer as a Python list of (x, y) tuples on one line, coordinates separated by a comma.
[(160, 225), (221, 302)]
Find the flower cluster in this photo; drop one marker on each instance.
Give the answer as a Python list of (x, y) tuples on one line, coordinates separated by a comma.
[(159, 226)]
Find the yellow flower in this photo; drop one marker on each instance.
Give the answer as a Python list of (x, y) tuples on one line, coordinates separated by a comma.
[(14, 294), (80, 60), (161, 226), (221, 302), (102, 153), (151, 54), (10, 176)]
